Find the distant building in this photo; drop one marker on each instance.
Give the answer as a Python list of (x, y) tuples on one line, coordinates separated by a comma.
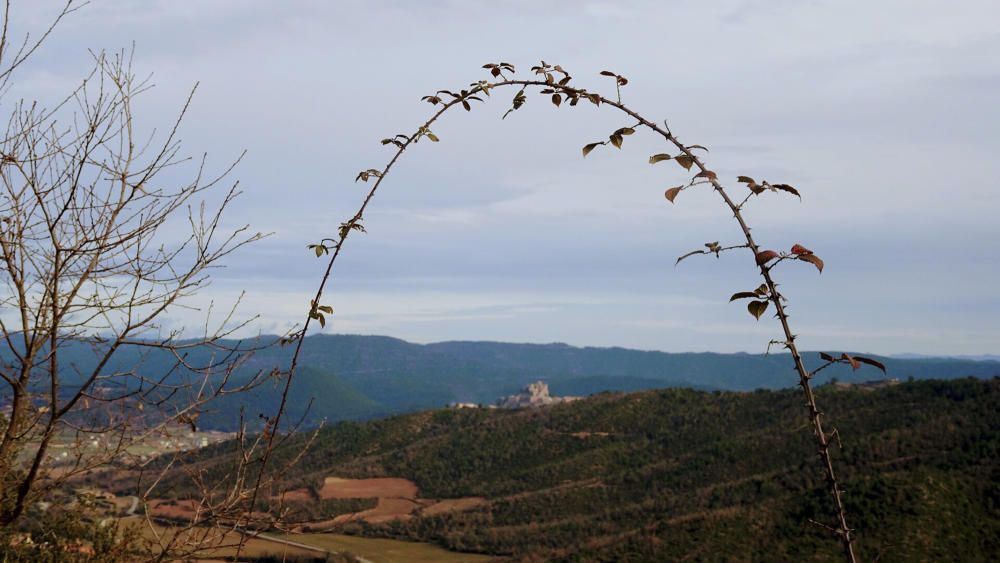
[(533, 395), (464, 406)]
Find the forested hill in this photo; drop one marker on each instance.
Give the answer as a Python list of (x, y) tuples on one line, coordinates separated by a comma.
[(679, 474), (362, 377), (572, 370), (372, 376)]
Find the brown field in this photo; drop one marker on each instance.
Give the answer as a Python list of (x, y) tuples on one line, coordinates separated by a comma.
[(178, 509), (379, 550), (397, 500), (453, 505), (335, 487), (387, 509), (296, 495), (160, 535), (374, 550)]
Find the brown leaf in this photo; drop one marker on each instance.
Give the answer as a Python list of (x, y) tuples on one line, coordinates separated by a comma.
[(556, 99), (706, 174), (854, 363), (659, 158), (827, 357), (616, 140), (812, 259), (871, 362), (743, 295), (745, 180), (757, 308), (685, 161), (765, 256), (787, 188), (672, 193), (590, 147), (607, 73), (799, 249)]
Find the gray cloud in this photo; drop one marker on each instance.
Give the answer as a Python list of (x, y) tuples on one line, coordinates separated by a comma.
[(887, 123)]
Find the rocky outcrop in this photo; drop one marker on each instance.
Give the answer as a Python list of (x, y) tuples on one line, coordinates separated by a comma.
[(533, 395)]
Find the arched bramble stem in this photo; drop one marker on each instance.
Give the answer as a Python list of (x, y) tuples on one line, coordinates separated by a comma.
[(562, 90)]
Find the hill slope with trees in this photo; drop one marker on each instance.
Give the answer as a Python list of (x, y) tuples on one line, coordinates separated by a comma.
[(680, 473)]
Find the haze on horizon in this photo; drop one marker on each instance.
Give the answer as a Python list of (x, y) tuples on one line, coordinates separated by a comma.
[(883, 115)]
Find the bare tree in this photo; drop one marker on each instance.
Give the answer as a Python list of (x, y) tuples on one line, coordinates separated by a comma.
[(100, 246), (96, 249)]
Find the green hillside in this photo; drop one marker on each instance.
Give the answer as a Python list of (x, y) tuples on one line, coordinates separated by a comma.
[(680, 474), (316, 396)]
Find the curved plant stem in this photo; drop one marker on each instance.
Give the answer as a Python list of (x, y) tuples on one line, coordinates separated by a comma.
[(842, 529), (815, 415)]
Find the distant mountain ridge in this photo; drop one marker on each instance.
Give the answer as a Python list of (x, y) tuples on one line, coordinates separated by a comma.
[(396, 376), (353, 377), (973, 357)]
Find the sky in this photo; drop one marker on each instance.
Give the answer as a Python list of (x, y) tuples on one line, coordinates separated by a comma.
[(883, 115)]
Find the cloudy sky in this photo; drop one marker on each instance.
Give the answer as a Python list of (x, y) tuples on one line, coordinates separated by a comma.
[(883, 114)]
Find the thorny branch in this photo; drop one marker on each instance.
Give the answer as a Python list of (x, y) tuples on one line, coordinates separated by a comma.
[(560, 90)]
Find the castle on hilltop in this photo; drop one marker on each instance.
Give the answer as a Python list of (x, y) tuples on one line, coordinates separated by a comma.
[(533, 395)]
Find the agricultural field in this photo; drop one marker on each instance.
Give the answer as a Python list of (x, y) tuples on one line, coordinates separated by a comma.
[(379, 550), (375, 550), (394, 499), (157, 534)]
